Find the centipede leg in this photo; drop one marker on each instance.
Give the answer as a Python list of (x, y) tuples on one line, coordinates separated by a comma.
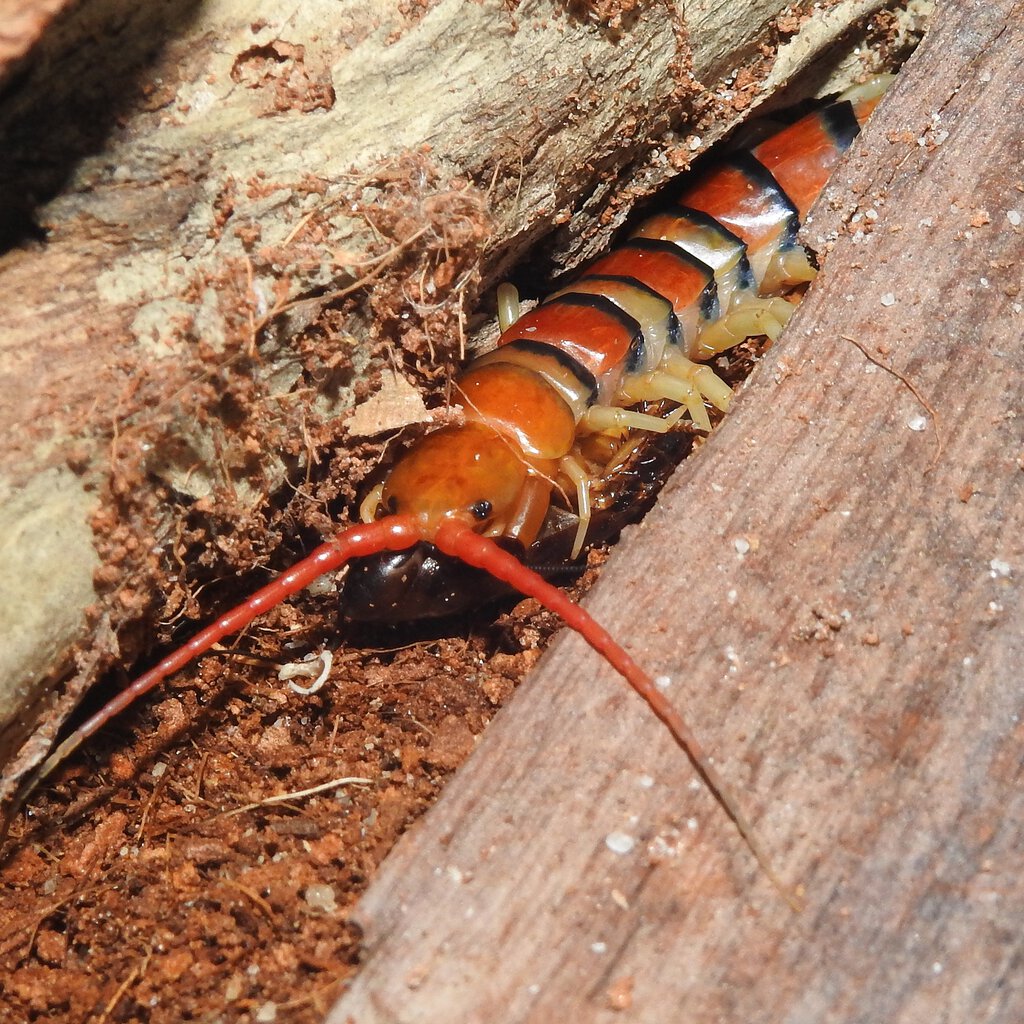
[(748, 320), (599, 418), (653, 387), (508, 305), (581, 481)]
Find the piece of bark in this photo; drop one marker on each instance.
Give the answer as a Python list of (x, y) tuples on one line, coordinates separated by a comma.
[(22, 22), (174, 176), (833, 586)]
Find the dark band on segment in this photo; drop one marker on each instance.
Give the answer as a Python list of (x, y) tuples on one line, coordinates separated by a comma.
[(676, 275), (841, 124), (635, 355), (744, 275), (671, 249), (706, 221), (673, 331), (757, 174), (535, 351)]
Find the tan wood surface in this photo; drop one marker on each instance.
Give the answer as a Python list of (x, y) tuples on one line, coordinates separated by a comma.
[(833, 587)]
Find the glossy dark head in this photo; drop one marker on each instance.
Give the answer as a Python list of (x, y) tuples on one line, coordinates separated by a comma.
[(418, 583)]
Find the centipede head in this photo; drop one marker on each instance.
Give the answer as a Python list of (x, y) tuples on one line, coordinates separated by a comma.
[(467, 472), (393, 587)]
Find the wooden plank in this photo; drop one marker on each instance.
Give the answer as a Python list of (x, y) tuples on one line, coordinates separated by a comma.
[(834, 589)]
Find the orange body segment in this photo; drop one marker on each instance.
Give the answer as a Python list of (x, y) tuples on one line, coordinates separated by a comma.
[(519, 404), (802, 157), (672, 274), (596, 338), (468, 470), (739, 201), (801, 174)]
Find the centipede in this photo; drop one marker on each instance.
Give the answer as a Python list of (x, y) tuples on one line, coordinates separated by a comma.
[(572, 389)]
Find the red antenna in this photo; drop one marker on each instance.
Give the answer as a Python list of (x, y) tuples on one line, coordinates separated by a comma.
[(457, 539)]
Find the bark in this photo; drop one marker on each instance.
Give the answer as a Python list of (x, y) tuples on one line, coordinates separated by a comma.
[(22, 23), (217, 221), (832, 586)]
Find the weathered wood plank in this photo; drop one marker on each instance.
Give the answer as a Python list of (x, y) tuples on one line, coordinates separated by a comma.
[(838, 606)]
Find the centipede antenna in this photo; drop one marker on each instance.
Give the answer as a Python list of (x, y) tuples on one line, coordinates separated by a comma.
[(392, 533), (460, 542)]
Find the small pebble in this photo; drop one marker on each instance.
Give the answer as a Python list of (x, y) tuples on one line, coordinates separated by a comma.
[(619, 842), (321, 897)]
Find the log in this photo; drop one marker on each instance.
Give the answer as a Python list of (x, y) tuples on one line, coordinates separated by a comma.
[(833, 587), (22, 23), (217, 224)]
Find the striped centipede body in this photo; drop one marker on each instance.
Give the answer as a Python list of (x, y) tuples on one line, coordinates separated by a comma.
[(618, 353)]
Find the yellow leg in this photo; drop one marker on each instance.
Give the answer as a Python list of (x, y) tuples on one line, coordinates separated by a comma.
[(652, 387), (786, 270), (508, 305), (748, 320), (599, 418), (369, 505), (703, 379), (872, 89), (581, 481)]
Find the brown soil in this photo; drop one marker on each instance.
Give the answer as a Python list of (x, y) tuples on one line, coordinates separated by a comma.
[(182, 865), (178, 867)]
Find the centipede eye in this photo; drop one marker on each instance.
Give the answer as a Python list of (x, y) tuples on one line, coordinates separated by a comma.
[(481, 509)]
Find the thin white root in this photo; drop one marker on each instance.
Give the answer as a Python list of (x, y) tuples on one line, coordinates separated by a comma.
[(313, 665)]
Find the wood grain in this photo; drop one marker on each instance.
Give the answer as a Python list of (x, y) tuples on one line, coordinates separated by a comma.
[(834, 588)]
